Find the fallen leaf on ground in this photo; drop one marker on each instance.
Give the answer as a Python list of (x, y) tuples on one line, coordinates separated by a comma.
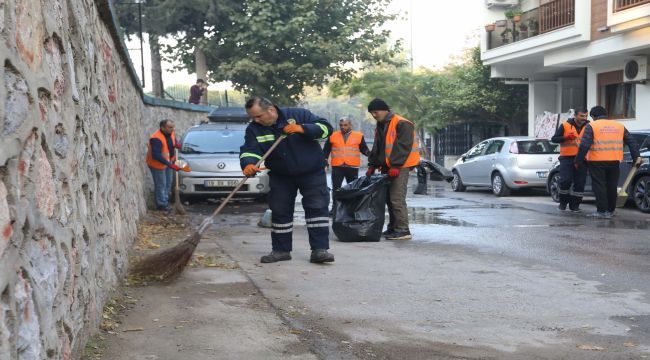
[(295, 332), (629, 344), (590, 347)]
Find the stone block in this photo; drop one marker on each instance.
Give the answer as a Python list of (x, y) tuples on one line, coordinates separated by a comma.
[(45, 195), (17, 102), (28, 343), (6, 225)]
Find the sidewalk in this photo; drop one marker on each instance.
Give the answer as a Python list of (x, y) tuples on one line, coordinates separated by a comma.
[(212, 311)]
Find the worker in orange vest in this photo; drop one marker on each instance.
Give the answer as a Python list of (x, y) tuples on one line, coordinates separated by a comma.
[(160, 160), (344, 148), (568, 136), (602, 145), (395, 152)]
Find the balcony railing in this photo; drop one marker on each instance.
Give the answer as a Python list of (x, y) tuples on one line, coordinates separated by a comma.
[(626, 4), (551, 16)]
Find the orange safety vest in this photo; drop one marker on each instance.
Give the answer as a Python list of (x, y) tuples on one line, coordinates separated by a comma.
[(153, 163), (608, 141), (414, 157), (570, 147), (346, 152)]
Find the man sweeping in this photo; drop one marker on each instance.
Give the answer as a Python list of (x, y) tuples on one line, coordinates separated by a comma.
[(296, 164)]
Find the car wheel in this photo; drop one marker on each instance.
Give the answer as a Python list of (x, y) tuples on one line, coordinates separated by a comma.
[(554, 187), (457, 183), (641, 193), (499, 187)]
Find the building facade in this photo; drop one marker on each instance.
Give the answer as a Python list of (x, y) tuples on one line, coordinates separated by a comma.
[(573, 53)]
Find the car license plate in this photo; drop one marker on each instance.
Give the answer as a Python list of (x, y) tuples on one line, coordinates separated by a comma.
[(542, 174), (220, 183)]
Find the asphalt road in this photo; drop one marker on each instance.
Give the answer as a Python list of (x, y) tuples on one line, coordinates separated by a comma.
[(483, 277)]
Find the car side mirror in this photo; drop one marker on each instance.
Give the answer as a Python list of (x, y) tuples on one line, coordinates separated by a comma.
[(463, 157)]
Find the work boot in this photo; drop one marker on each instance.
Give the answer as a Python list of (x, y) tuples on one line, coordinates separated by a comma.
[(321, 256), (562, 206), (276, 256), (387, 232), (399, 235)]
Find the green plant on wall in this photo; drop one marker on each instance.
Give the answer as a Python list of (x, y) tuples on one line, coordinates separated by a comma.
[(506, 34)]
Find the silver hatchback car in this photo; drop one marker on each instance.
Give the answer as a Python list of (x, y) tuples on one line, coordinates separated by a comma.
[(212, 152), (506, 163)]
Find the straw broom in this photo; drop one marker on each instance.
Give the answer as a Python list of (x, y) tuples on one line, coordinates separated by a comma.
[(172, 261)]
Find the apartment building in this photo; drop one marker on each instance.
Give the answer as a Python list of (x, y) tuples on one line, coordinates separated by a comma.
[(573, 53)]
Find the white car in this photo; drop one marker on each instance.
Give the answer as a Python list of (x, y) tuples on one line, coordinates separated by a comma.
[(212, 152), (505, 163)]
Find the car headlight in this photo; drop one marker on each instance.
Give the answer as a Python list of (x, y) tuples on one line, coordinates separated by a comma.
[(645, 161), (181, 163)]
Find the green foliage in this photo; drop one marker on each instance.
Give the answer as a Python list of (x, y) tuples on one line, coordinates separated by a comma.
[(279, 47), (432, 99)]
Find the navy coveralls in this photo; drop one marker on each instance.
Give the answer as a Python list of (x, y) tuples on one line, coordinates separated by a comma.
[(296, 164)]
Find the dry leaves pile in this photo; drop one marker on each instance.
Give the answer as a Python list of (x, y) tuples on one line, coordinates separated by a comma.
[(149, 233)]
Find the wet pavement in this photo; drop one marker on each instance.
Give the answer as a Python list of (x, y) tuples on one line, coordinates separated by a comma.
[(483, 278)]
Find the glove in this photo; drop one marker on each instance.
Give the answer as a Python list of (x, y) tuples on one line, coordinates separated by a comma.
[(178, 145), (175, 167), (251, 170), (393, 172), (293, 129), (638, 162), (370, 171), (570, 137)]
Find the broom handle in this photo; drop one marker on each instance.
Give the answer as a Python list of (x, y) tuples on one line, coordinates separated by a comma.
[(210, 219)]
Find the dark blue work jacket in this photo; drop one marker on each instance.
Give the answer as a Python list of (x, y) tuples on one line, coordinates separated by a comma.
[(297, 154)]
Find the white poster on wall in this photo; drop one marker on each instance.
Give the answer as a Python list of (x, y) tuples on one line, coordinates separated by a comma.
[(547, 123)]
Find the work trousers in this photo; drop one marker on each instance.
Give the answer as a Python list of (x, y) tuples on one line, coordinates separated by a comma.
[(315, 199), (604, 181), (398, 220), (569, 175), (339, 173), (162, 184)]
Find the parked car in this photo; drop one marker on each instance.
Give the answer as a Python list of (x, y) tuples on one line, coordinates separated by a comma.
[(505, 164), (212, 152), (639, 187)]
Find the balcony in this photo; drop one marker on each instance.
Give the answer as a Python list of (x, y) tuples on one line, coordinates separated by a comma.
[(553, 15), (620, 5)]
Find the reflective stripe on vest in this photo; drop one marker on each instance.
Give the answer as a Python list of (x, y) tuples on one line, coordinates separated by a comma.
[(346, 152), (608, 141), (153, 163), (414, 157), (570, 147)]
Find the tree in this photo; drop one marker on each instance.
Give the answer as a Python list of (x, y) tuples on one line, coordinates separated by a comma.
[(278, 47), (130, 23), (478, 97), (432, 99)]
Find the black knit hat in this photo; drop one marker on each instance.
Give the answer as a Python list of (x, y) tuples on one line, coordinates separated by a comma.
[(378, 104), (598, 112)]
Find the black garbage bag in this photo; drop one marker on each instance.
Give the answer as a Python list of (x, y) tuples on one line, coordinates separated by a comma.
[(359, 209)]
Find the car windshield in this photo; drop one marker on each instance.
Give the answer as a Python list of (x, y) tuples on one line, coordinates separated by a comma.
[(213, 142), (537, 147)]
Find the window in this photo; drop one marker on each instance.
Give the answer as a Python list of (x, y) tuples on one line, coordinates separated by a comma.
[(477, 150), (537, 147), (213, 142), (494, 147), (617, 97)]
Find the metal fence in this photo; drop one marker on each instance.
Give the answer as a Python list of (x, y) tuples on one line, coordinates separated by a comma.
[(214, 97)]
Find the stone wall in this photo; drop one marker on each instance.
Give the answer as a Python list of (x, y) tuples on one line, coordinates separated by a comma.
[(74, 128)]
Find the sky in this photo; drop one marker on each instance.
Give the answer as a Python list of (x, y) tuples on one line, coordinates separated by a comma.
[(439, 30)]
